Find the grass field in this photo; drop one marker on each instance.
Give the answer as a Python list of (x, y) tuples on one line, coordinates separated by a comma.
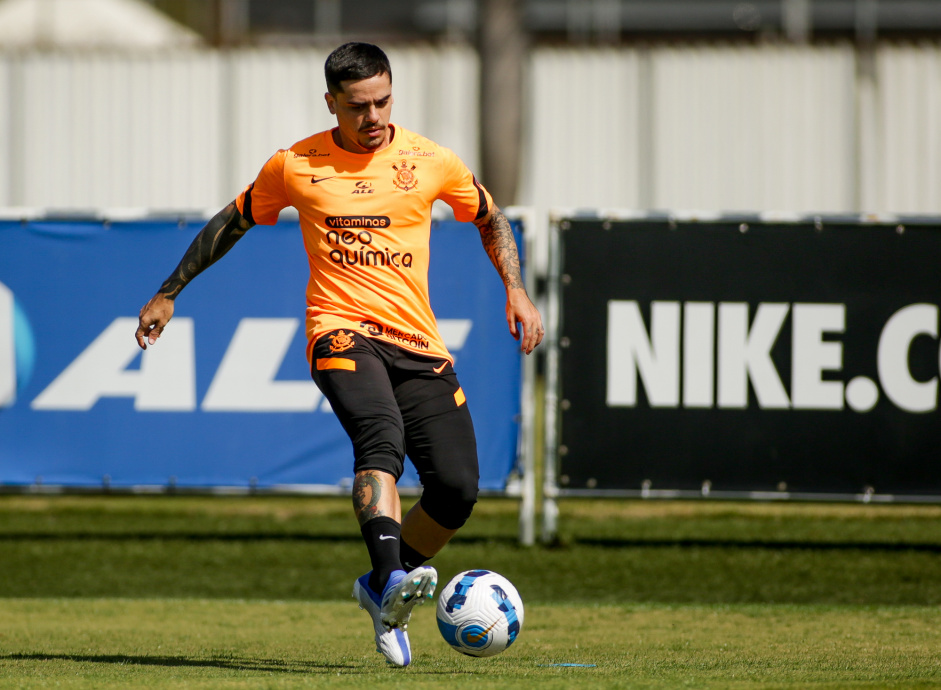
[(253, 592)]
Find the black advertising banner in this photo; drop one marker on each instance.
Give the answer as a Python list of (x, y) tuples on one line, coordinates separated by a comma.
[(744, 356)]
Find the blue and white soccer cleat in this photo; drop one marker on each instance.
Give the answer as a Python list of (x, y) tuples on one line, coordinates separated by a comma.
[(392, 643), (404, 592)]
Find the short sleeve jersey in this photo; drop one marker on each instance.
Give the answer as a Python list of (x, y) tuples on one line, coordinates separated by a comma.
[(366, 222)]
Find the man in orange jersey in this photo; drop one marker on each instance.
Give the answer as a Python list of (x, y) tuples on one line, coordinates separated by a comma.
[(364, 192)]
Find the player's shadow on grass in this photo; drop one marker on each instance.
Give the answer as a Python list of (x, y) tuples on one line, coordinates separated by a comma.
[(560, 542), (219, 536), (757, 544), (178, 536), (226, 663)]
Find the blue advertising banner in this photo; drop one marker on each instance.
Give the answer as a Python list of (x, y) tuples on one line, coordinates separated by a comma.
[(225, 398)]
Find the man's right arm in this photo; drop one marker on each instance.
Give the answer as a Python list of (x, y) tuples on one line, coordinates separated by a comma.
[(218, 236)]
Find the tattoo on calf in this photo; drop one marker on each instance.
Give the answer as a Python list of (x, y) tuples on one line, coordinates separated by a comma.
[(367, 490)]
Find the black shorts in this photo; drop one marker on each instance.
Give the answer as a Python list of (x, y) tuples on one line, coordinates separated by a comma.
[(394, 403)]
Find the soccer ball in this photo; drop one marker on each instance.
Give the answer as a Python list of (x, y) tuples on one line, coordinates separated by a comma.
[(480, 613)]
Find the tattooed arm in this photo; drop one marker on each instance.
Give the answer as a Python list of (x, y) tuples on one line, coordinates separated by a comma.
[(218, 236), (497, 238)]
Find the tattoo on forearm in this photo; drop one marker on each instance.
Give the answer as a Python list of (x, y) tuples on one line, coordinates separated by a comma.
[(367, 490), (497, 238), (218, 236)]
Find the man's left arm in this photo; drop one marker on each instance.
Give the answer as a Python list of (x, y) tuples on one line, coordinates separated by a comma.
[(521, 314)]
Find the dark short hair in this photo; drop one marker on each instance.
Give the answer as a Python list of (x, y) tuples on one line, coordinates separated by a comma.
[(354, 62)]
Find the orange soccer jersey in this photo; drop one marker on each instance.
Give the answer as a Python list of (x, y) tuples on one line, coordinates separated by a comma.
[(366, 221)]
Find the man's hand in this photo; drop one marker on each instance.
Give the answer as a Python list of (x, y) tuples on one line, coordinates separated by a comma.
[(522, 315), (497, 238), (217, 237), (153, 318)]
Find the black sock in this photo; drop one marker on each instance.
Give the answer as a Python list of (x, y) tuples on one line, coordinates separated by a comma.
[(383, 538), (411, 559)]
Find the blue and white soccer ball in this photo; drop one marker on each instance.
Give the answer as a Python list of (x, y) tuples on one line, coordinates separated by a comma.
[(480, 613)]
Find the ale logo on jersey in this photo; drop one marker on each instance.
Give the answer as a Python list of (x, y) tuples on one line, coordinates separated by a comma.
[(17, 348)]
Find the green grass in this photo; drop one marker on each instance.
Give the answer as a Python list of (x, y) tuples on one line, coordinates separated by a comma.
[(156, 643), (253, 592)]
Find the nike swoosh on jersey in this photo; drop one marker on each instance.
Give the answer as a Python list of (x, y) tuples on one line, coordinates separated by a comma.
[(439, 369), (383, 537), (315, 179)]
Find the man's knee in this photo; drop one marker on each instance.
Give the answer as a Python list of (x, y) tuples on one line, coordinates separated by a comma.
[(450, 505), (383, 459)]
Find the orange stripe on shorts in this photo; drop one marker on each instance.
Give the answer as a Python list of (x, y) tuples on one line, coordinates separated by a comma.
[(336, 363), (459, 397)]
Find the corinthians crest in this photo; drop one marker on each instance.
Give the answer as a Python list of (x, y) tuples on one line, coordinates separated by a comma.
[(341, 341), (404, 178)]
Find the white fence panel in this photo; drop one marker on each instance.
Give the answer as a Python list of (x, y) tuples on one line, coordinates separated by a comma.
[(583, 130), (909, 151), (721, 128), (106, 130), (710, 128), (6, 135), (754, 129), (189, 130)]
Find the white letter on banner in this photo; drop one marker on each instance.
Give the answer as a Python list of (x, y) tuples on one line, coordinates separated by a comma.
[(454, 332), (166, 380), (656, 358), (7, 349), (746, 354), (894, 344), (699, 328), (245, 380), (811, 355)]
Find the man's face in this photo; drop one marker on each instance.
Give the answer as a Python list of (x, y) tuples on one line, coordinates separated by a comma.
[(363, 109)]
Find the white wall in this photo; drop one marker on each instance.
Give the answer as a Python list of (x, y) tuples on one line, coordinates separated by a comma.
[(906, 171), (811, 129), (189, 130), (753, 129), (699, 128), (103, 131), (6, 134)]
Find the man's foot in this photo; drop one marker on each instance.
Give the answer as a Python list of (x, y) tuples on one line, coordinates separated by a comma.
[(392, 643), (404, 591)]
